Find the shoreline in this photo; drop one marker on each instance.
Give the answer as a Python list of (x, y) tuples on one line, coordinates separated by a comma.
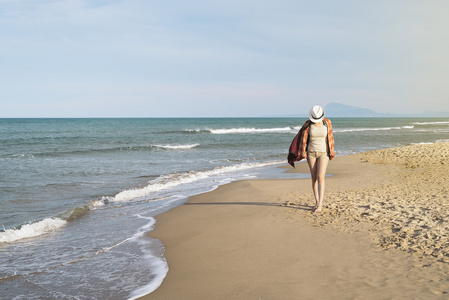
[(377, 237)]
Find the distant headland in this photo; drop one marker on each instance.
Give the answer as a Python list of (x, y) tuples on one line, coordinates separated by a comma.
[(335, 109)]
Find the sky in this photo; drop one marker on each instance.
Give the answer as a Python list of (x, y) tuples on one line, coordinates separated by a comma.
[(221, 58)]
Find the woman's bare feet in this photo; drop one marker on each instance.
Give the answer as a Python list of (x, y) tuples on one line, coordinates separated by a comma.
[(317, 209)]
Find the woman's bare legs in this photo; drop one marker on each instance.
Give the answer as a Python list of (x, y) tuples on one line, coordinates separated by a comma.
[(318, 167)]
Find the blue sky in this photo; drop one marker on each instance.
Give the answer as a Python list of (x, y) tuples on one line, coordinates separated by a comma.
[(141, 58)]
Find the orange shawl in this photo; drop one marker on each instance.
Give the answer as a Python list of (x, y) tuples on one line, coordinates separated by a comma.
[(298, 147)]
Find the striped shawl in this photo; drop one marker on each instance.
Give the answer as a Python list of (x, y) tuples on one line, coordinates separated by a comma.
[(298, 148)]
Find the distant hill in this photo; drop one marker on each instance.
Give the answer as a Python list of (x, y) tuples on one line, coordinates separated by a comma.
[(341, 110), (335, 109)]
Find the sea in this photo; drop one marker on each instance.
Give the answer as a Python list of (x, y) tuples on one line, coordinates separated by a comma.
[(78, 197)]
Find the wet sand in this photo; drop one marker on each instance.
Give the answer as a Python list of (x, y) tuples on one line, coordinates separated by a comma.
[(382, 234)]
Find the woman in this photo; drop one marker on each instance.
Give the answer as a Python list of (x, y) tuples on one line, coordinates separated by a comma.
[(316, 142)]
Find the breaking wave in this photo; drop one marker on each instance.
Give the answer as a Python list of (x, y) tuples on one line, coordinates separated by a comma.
[(251, 130), (90, 151), (32, 230), (372, 129), (163, 183), (432, 123), (48, 225), (169, 181), (176, 147), (244, 130)]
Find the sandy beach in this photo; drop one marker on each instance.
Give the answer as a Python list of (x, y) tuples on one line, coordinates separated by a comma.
[(382, 233)]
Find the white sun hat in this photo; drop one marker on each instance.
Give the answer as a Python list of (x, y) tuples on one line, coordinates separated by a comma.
[(316, 114)]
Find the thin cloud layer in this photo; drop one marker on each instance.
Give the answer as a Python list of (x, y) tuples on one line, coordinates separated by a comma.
[(210, 58)]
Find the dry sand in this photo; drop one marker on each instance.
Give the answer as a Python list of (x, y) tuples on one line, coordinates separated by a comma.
[(382, 234)]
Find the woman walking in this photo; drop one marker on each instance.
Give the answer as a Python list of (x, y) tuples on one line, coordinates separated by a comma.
[(314, 141)]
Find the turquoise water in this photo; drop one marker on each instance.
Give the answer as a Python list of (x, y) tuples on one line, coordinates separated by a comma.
[(79, 195)]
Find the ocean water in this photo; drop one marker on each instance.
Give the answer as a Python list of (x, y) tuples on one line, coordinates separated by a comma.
[(79, 196)]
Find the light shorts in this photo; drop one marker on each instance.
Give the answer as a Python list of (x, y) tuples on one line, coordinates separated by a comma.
[(316, 154)]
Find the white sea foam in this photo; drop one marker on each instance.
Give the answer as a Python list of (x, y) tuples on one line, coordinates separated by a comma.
[(251, 130), (244, 130), (423, 143), (432, 123), (158, 266), (371, 129), (173, 180), (176, 147), (98, 203), (430, 143), (32, 230), (196, 130)]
